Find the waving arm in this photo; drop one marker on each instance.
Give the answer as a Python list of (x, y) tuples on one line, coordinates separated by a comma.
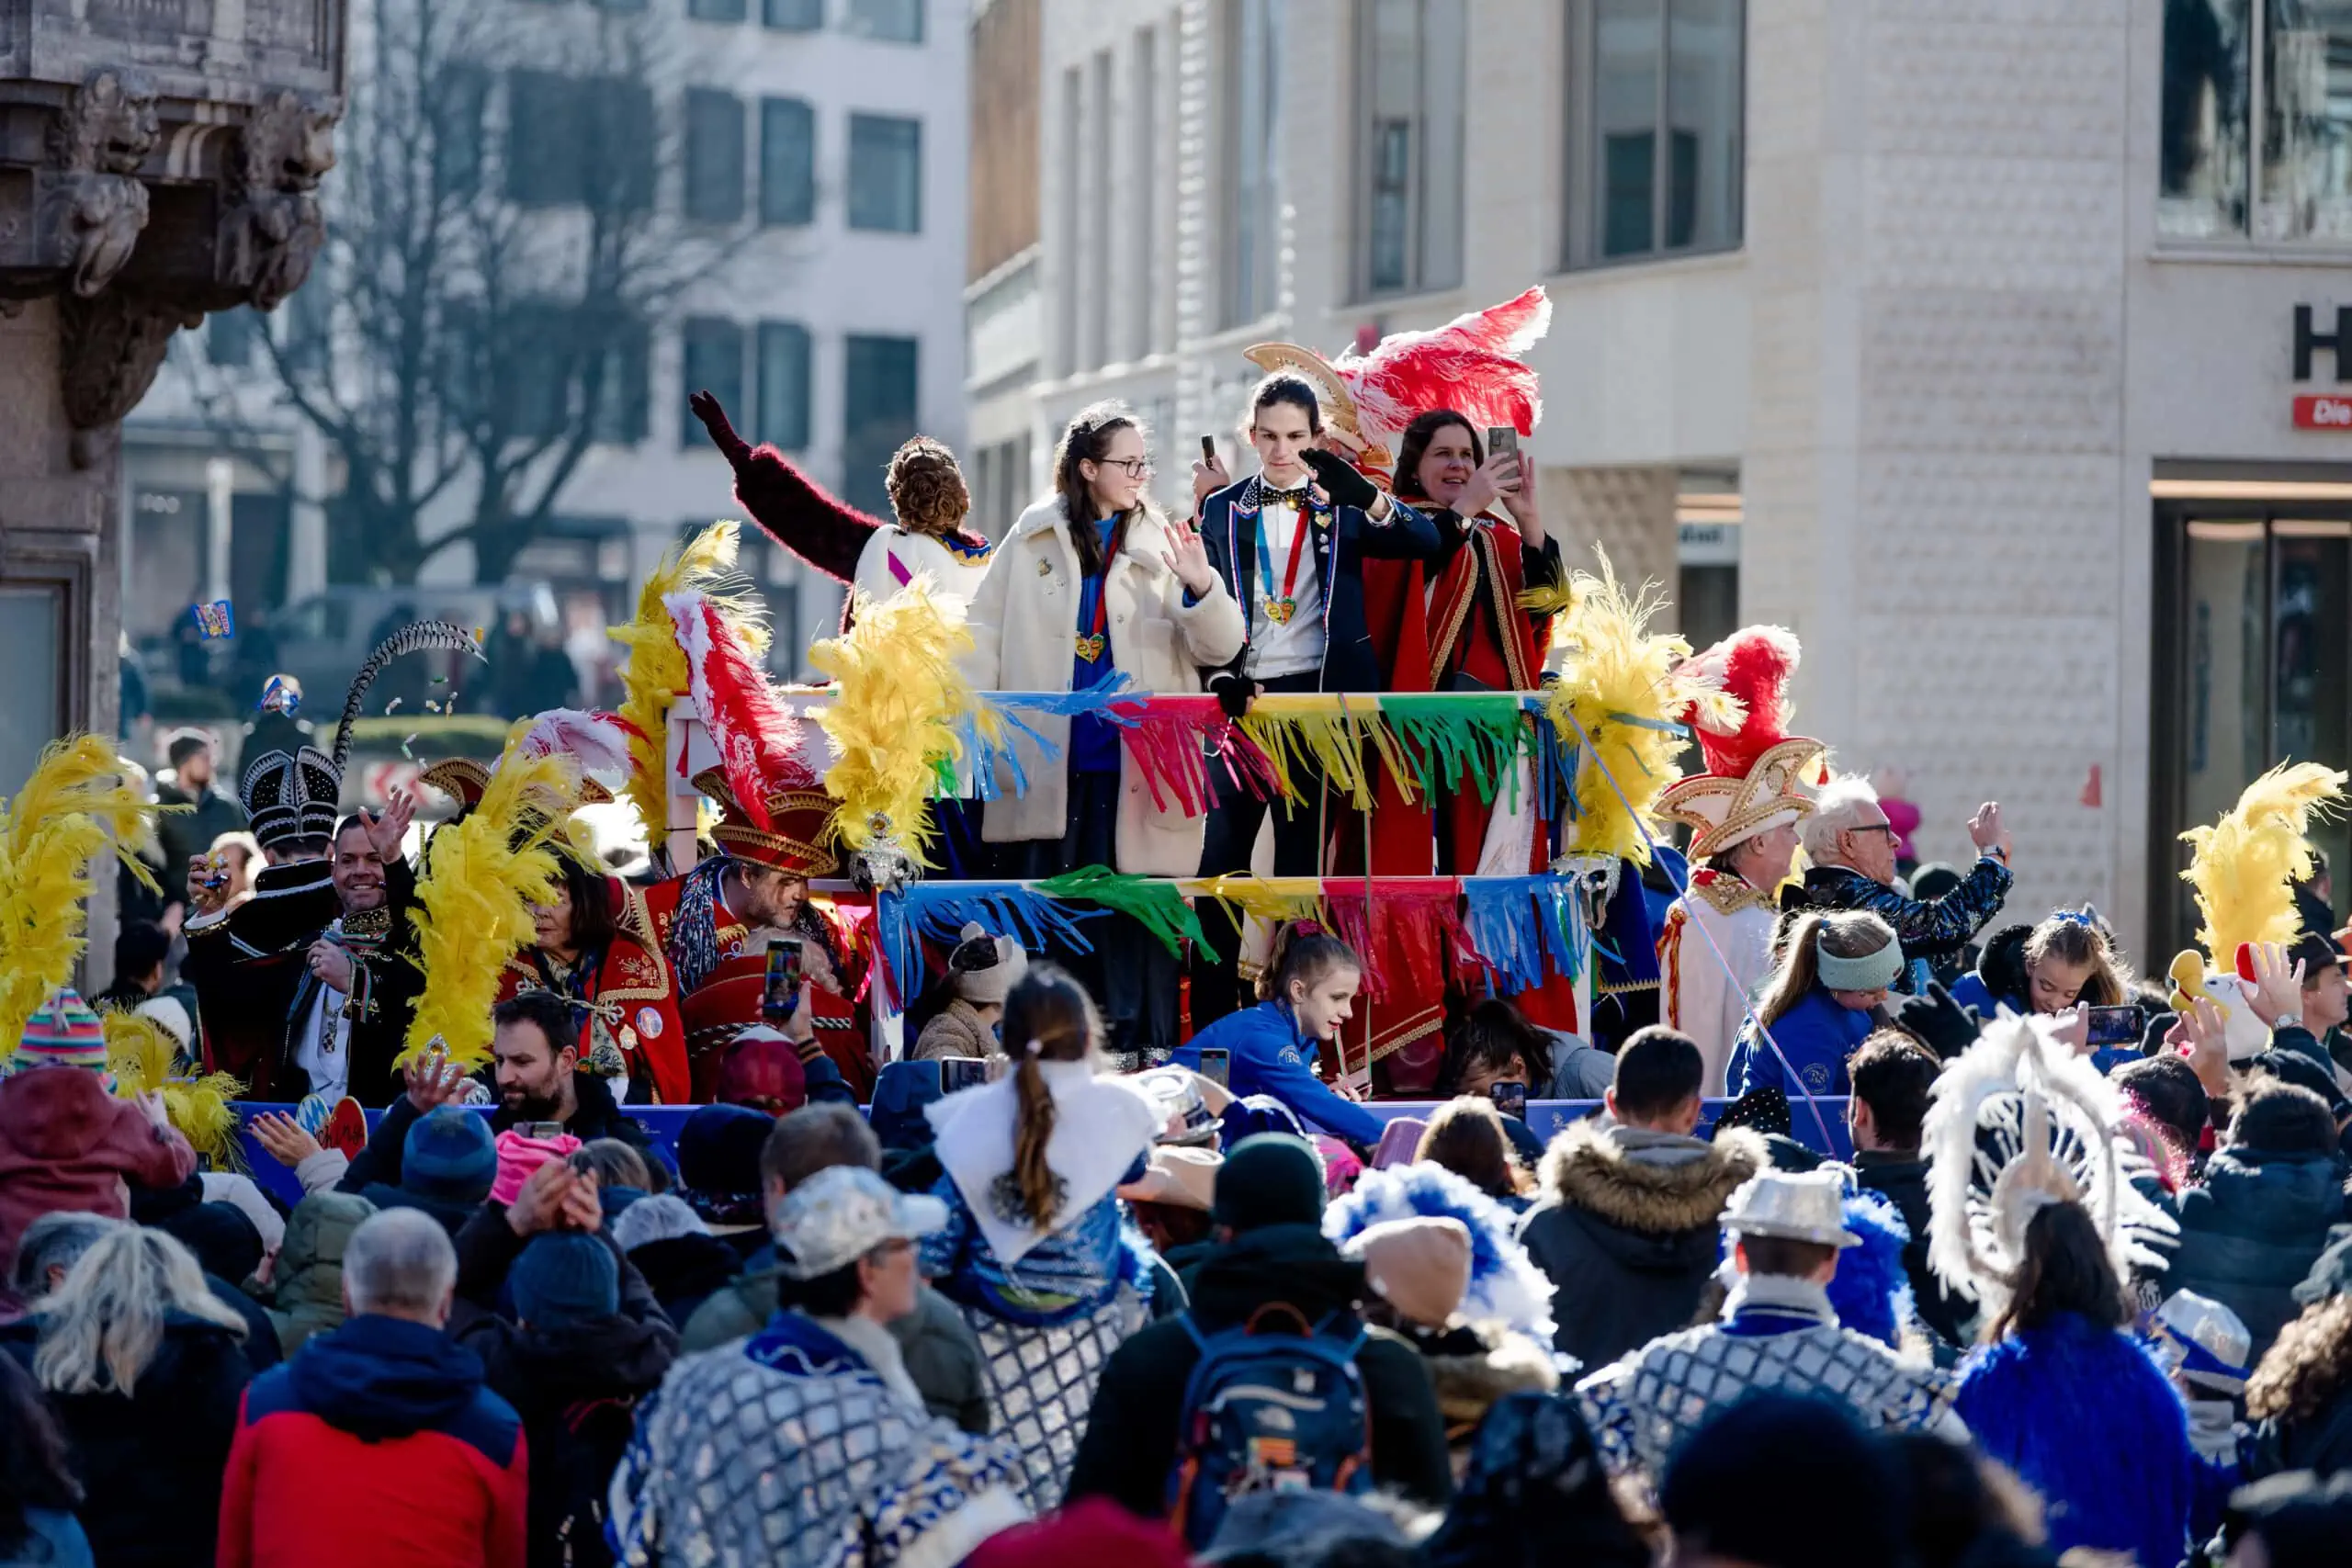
[(791, 508)]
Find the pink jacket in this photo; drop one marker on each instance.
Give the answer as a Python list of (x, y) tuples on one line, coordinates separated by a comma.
[(65, 1143)]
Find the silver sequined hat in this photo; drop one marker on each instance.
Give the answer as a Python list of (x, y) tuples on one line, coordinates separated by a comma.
[(842, 1213), (1810, 1207)]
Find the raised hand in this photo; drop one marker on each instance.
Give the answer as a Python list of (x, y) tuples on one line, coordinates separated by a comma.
[(1209, 478), (387, 829), (1339, 482), (202, 897), (544, 1196), (2276, 990), (1488, 482), (433, 1080), (1986, 831), (282, 1138), (722, 433), (331, 965), (1188, 558)]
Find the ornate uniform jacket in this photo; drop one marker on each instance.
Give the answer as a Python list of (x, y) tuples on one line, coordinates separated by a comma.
[(1699, 999), (1776, 1334), (629, 1024)]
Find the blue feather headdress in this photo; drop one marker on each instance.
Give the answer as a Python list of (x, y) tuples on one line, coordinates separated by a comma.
[(1872, 1291), (1505, 1285)]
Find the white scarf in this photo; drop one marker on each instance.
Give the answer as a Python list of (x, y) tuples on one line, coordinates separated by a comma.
[(880, 1351), (1781, 1292), (1101, 1124)]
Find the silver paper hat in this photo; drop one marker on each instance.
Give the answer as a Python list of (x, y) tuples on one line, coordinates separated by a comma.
[(842, 1213), (1808, 1207)]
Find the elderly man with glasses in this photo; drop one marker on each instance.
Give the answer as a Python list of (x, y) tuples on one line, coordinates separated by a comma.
[(1850, 847)]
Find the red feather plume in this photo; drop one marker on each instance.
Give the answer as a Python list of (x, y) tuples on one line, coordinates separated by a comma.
[(1469, 364), (758, 739), (1752, 667)]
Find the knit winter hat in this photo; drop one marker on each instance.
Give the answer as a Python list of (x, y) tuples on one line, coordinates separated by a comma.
[(449, 1155), (719, 1149), (62, 1033), (563, 1278), (1271, 1178), (663, 1217), (1420, 1267), (984, 967), (170, 1014), (519, 1155)]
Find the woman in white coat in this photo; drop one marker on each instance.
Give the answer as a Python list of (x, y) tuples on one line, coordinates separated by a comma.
[(1091, 582)]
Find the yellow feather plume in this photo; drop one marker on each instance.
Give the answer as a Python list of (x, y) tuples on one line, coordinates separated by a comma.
[(144, 1059), (656, 669), (2242, 867), (898, 695), (1554, 600), (1619, 683), (484, 874), (75, 804)]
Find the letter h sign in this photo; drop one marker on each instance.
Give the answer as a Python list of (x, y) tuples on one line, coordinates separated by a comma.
[(2338, 342)]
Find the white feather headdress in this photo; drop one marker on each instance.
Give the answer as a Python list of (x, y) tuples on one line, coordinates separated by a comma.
[(2018, 1123)]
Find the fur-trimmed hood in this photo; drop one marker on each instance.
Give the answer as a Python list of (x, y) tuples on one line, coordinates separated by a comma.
[(1474, 1366), (1584, 1168)]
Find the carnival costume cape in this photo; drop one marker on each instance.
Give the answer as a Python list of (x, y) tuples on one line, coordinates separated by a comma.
[(873, 557), (1716, 948), (790, 1451), (2243, 869), (255, 991), (1048, 1305)]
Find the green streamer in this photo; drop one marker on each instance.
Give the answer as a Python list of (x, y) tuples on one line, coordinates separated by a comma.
[(1154, 901)]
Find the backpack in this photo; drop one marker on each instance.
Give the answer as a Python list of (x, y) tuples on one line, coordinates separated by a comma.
[(1268, 1412), (573, 1454)]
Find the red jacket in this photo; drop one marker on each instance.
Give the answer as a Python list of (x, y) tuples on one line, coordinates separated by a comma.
[(378, 1446), (65, 1143)]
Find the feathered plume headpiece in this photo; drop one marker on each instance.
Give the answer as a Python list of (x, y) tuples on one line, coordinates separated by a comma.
[(2243, 866), (1627, 692), (1756, 773), (141, 1057), (75, 805), (474, 900), (415, 637), (757, 738), (899, 698), (1471, 364), (2019, 1121), (656, 671), (1505, 1285)]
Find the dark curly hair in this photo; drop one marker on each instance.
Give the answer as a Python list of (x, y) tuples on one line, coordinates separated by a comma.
[(2307, 1367), (927, 488)]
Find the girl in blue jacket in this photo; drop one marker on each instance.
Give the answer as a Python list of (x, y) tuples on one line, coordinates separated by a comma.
[(1820, 1005), (1308, 992)]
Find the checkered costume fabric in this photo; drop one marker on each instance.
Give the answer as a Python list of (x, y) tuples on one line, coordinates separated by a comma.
[(1041, 1384)]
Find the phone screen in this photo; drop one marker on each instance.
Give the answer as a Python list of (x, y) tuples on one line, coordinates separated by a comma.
[(780, 993), (1208, 448), (1510, 1096), (1500, 439), (2116, 1026), (962, 1071), (1217, 1065)]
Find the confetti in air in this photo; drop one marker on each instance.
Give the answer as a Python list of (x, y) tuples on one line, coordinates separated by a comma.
[(390, 708), (279, 697)]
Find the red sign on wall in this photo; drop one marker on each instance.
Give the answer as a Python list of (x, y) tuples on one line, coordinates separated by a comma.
[(2323, 411)]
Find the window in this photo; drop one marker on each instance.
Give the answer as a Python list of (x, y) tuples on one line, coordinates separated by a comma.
[(879, 394), (714, 156), (894, 21), (712, 352), (784, 385), (1142, 299), (715, 10), (1658, 157), (1252, 45), (34, 622), (793, 15), (1409, 60), (457, 108), (2218, 180), (787, 162), (578, 140), (885, 174), (552, 364), (229, 337)]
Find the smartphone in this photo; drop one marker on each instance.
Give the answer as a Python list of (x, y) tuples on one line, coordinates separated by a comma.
[(1510, 1096), (2116, 1026), (1208, 448), (540, 1132), (1217, 1065), (780, 993), (962, 1071), (1502, 439)]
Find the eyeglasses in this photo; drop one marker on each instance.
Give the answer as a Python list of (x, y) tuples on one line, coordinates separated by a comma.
[(1886, 828), (1137, 468)]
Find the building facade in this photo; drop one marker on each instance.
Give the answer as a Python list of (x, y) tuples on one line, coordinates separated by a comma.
[(1989, 348), (818, 147)]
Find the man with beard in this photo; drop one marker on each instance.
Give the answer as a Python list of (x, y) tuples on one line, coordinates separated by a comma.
[(211, 810), (537, 1053)]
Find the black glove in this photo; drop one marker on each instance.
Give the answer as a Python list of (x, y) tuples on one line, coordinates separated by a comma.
[(722, 434), (1233, 694), (1937, 1021), (1341, 483)]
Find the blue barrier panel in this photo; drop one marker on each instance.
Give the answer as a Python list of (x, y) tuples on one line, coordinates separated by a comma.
[(1544, 1118)]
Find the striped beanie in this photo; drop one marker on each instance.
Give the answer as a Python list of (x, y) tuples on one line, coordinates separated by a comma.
[(62, 1033)]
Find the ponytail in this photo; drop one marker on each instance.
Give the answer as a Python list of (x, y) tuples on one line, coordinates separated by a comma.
[(1047, 1018), (1848, 933), (1302, 952)]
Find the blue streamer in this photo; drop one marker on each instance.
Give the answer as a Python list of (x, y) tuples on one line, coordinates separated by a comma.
[(1525, 928), (939, 910), (1009, 706)]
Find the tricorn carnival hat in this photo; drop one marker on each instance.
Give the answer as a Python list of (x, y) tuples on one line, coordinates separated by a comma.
[(1794, 1207), (1756, 774), (795, 838), (598, 741), (297, 794)]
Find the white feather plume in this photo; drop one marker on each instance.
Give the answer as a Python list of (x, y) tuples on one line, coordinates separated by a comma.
[(1505, 1285), (2018, 1122), (598, 741)]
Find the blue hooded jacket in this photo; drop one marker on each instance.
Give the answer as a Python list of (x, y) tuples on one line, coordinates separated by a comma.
[(1817, 1036), (1270, 1055), (379, 1378)]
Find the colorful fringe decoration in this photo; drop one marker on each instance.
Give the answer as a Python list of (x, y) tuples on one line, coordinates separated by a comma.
[(1524, 929), (1174, 741), (1458, 736), (474, 901), (1332, 733), (1157, 906), (1402, 930), (899, 703), (655, 673), (143, 1059), (1619, 693), (2242, 867), (938, 910), (73, 807)]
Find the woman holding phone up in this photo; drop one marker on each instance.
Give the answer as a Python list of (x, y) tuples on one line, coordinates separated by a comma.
[(1094, 584)]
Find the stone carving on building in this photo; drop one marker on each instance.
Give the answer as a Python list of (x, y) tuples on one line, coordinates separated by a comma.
[(92, 203), (115, 344), (271, 227)]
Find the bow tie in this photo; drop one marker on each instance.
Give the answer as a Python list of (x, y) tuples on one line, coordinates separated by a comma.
[(1295, 498)]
